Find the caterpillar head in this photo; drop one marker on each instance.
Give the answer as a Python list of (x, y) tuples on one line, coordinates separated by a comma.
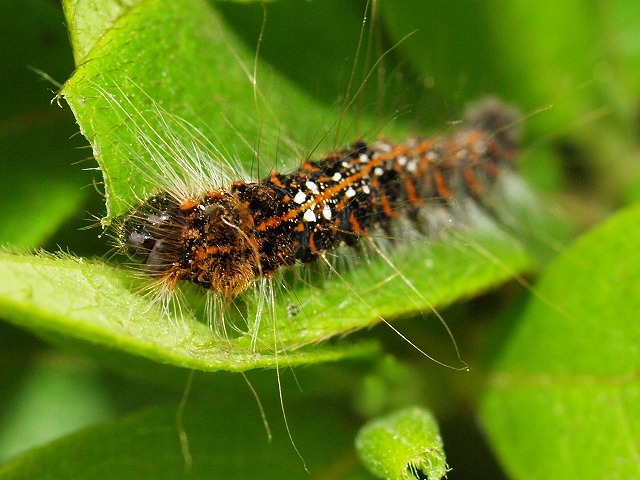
[(208, 242)]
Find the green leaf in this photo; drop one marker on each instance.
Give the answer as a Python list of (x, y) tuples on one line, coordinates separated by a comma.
[(564, 395), (224, 441), (399, 445), (201, 71), (132, 80), (78, 299), (68, 298)]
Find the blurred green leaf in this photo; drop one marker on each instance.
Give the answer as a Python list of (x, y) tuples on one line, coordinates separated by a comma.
[(564, 395), (56, 396), (621, 20), (39, 186), (549, 59), (223, 442)]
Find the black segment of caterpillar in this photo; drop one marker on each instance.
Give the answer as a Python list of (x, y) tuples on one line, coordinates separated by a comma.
[(226, 239)]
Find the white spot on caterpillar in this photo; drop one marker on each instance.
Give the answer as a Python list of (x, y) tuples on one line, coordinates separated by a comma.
[(350, 192), (326, 212), (309, 216), (337, 177), (480, 147), (312, 187), (378, 171), (300, 197), (383, 146)]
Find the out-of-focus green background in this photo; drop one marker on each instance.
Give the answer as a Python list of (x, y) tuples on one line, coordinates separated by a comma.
[(580, 58)]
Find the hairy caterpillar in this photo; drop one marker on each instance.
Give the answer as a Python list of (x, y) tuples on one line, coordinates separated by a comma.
[(226, 239)]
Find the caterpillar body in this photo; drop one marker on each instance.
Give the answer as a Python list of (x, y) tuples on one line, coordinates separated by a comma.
[(225, 239)]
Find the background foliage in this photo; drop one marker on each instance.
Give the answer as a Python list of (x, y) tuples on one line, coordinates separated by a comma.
[(554, 369)]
